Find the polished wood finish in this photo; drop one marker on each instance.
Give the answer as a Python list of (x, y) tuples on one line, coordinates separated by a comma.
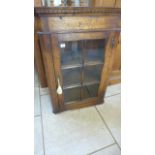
[(73, 24)]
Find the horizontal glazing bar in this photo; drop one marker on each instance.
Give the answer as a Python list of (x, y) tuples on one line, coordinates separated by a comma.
[(79, 85), (80, 65)]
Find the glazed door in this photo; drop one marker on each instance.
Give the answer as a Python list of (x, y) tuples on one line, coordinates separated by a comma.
[(82, 63)]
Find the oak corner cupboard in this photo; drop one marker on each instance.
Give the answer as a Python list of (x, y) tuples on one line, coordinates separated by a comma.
[(78, 47)]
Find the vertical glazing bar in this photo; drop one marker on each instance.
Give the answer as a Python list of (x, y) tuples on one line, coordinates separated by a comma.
[(82, 68)]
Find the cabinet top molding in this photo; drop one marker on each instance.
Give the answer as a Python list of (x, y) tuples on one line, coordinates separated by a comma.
[(62, 11)]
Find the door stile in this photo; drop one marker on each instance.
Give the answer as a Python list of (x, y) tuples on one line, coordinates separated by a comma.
[(57, 67), (108, 62)]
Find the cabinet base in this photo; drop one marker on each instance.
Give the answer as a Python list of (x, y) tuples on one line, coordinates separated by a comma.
[(83, 104)]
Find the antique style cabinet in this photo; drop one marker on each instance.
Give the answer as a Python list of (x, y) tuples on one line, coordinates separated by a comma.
[(78, 46)]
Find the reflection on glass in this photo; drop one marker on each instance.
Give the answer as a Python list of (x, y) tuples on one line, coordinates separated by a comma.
[(70, 53), (94, 51)]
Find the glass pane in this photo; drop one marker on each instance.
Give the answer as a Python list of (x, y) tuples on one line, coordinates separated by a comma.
[(94, 51), (80, 93), (71, 76), (93, 90), (90, 91), (85, 93), (92, 74), (72, 94), (70, 53)]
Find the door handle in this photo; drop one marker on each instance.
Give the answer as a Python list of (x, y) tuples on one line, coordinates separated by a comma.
[(59, 89)]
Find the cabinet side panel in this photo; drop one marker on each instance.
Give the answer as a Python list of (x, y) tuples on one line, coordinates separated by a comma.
[(49, 69), (38, 54), (117, 56)]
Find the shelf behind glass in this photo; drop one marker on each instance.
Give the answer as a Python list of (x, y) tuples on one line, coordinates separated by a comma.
[(80, 93), (73, 77)]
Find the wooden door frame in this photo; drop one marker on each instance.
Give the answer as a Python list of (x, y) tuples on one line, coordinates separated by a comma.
[(51, 58)]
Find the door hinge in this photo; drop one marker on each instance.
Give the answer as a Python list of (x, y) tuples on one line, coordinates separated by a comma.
[(112, 43)]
